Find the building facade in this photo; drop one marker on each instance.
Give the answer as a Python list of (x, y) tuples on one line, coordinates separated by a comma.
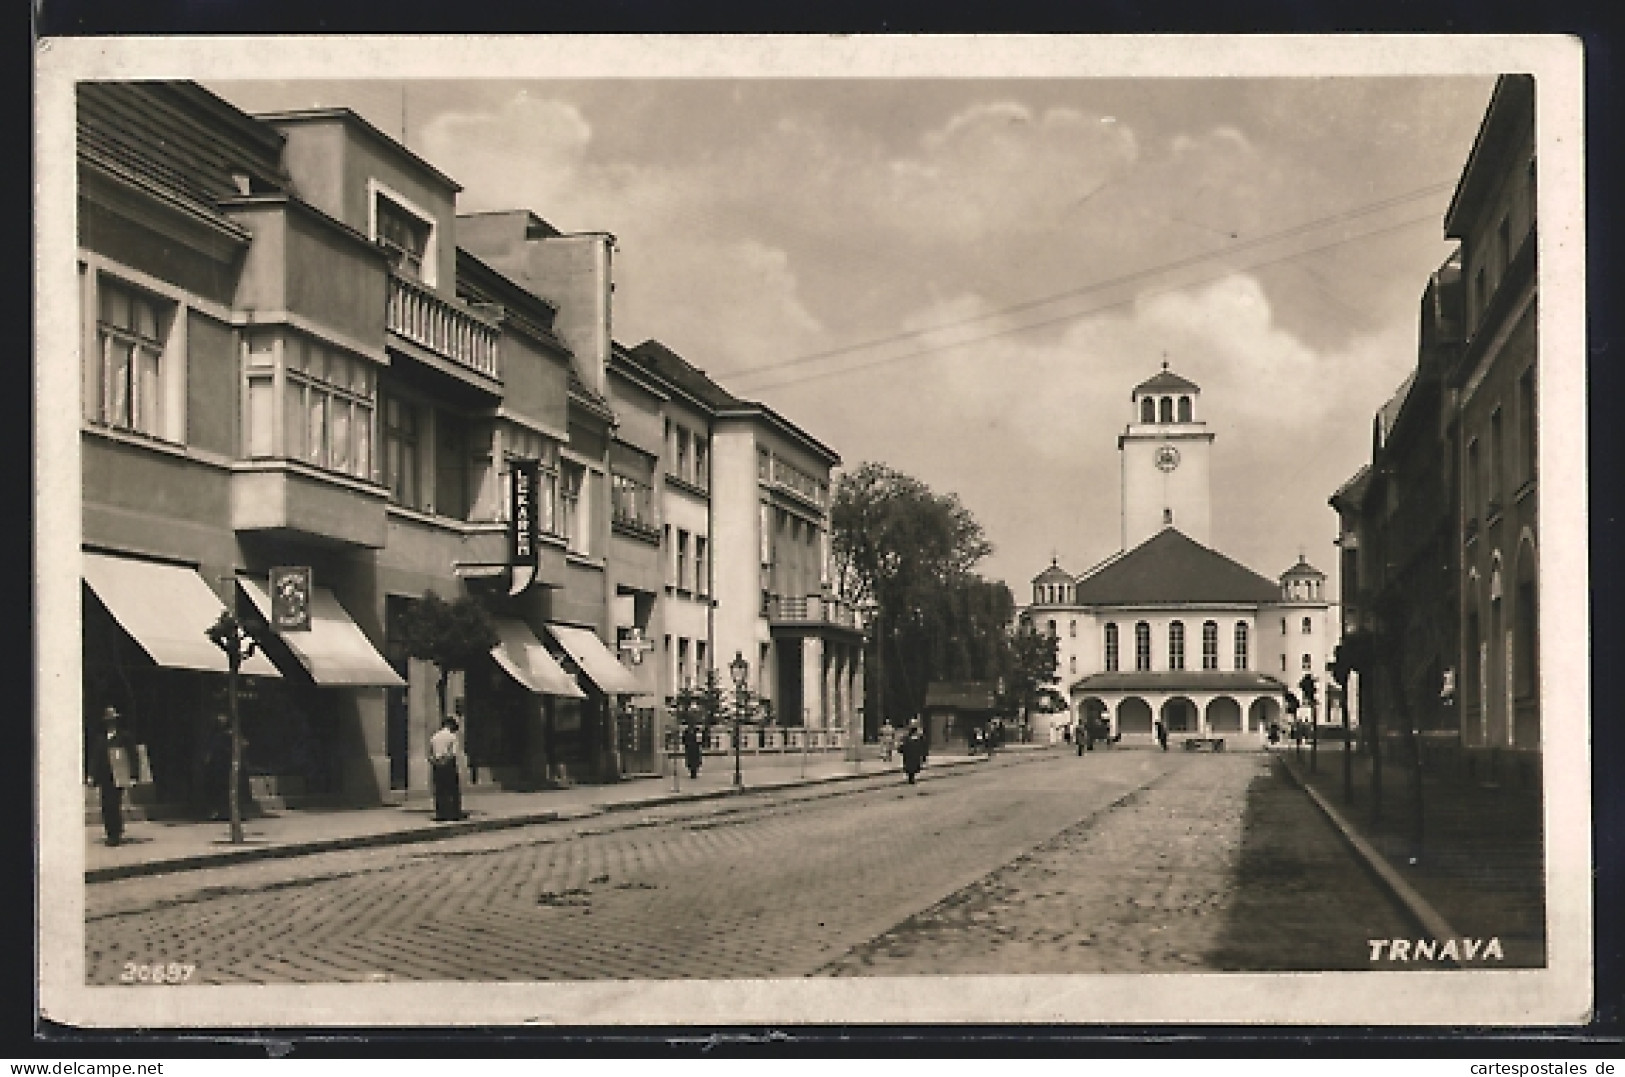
[(1167, 628)]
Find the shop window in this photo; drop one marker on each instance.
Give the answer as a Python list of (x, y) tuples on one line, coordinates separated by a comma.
[(1111, 648), (130, 330)]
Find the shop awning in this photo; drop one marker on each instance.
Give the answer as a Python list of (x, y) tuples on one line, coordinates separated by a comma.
[(595, 661), (335, 650), (167, 610), (524, 658)]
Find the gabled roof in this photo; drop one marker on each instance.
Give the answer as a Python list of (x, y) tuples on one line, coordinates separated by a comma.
[(1166, 381), (1170, 568), (961, 695)]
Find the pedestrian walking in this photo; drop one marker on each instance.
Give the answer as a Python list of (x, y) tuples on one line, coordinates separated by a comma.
[(448, 793), (1162, 735), (1066, 734), (1088, 734), (112, 762), (913, 750), (888, 740), (217, 770), (693, 749)]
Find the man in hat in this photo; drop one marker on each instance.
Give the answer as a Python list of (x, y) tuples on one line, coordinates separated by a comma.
[(112, 765), (913, 749)]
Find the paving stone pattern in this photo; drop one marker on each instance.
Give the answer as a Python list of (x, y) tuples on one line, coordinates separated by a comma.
[(769, 885)]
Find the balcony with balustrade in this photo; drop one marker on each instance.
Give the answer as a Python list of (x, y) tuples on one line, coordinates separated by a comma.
[(449, 336), (811, 612)]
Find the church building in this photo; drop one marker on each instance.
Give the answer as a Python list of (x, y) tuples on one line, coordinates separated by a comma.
[(1168, 627)]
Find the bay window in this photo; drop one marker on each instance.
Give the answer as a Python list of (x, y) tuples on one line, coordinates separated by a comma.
[(130, 331)]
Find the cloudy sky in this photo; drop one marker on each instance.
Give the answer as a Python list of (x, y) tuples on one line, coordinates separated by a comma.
[(964, 278)]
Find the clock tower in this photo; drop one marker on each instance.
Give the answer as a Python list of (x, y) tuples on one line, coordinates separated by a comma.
[(1165, 453)]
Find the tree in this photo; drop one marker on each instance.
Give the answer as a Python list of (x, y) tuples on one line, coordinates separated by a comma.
[(1035, 658), (703, 704), (909, 553), (453, 635)]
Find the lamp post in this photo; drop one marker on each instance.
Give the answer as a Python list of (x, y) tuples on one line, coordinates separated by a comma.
[(739, 669), (230, 636)]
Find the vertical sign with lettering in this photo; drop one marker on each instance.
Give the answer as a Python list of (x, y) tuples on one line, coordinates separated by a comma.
[(522, 515), (290, 598)]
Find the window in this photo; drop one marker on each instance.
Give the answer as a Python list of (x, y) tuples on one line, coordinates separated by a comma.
[(1176, 645), (1111, 648), (1471, 481), (1283, 626), (684, 678), (699, 661), (682, 560), (573, 520), (1148, 410), (1051, 624), (1142, 646), (1308, 663), (764, 465), (1165, 411), (1210, 645), (632, 503), (1494, 490), (404, 234), (451, 466), (1480, 294), (702, 568), (702, 463), (520, 444), (1184, 409), (401, 452), (1473, 653), (1526, 627), (1283, 663), (1527, 424), (129, 330), (1241, 645), (1072, 664), (1503, 244), (671, 563), (1072, 628), (681, 455), (1308, 626)]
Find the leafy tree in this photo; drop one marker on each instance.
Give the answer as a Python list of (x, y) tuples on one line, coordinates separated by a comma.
[(702, 704), (910, 553), (1035, 659), (453, 635)]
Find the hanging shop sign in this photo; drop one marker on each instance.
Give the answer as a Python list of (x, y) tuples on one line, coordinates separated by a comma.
[(290, 587), (523, 553)]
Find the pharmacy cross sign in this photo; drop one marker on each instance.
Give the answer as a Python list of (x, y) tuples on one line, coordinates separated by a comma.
[(634, 645)]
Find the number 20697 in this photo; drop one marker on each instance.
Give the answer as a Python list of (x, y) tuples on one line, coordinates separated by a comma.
[(173, 972)]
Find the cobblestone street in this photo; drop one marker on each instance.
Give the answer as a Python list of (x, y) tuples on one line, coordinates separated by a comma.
[(1119, 861)]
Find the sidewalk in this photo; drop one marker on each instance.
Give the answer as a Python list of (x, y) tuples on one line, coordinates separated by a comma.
[(156, 847), (1480, 864)]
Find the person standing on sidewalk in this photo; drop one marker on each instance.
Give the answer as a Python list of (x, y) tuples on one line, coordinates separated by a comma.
[(217, 770), (1162, 735), (888, 740), (113, 768), (693, 749), (448, 794), (913, 750)]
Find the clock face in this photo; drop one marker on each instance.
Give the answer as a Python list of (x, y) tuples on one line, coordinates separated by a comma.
[(1167, 458)]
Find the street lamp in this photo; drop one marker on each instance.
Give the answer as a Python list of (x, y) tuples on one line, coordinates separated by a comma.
[(230, 636), (739, 669)]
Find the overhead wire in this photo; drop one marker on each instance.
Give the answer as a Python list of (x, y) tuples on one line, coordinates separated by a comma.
[(1111, 282), (1073, 314)]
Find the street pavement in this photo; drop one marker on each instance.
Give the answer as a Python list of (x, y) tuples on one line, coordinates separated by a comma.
[(1035, 862)]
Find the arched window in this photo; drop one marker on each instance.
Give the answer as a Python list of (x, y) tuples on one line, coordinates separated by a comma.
[(1148, 410), (1111, 648), (1241, 644), (1176, 645), (1166, 411), (1142, 646), (1210, 644), (1308, 626), (1184, 409)]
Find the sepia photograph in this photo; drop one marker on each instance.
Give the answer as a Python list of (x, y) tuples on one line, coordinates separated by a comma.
[(697, 530)]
